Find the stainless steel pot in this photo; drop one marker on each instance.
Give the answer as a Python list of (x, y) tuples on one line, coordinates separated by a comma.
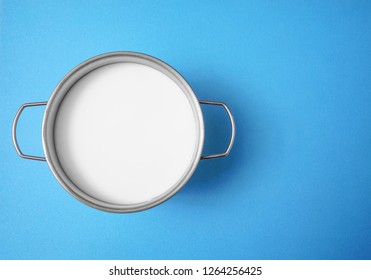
[(58, 97)]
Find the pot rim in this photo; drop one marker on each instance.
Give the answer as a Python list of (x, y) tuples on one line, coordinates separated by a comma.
[(61, 90)]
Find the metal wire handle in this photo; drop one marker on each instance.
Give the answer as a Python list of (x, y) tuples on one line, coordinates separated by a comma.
[(233, 126), (14, 130)]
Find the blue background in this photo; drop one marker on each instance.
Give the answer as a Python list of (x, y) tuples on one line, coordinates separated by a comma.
[(297, 77)]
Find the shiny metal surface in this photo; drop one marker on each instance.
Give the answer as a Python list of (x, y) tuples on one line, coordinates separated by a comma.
[(57, 98)]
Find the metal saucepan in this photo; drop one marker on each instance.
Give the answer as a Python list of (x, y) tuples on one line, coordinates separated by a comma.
[(129, 125)]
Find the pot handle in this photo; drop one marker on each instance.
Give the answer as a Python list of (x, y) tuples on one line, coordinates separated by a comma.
[(14, 131), (233, 126)]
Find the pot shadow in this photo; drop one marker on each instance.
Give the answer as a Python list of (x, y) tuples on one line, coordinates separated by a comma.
[(213, 174)]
